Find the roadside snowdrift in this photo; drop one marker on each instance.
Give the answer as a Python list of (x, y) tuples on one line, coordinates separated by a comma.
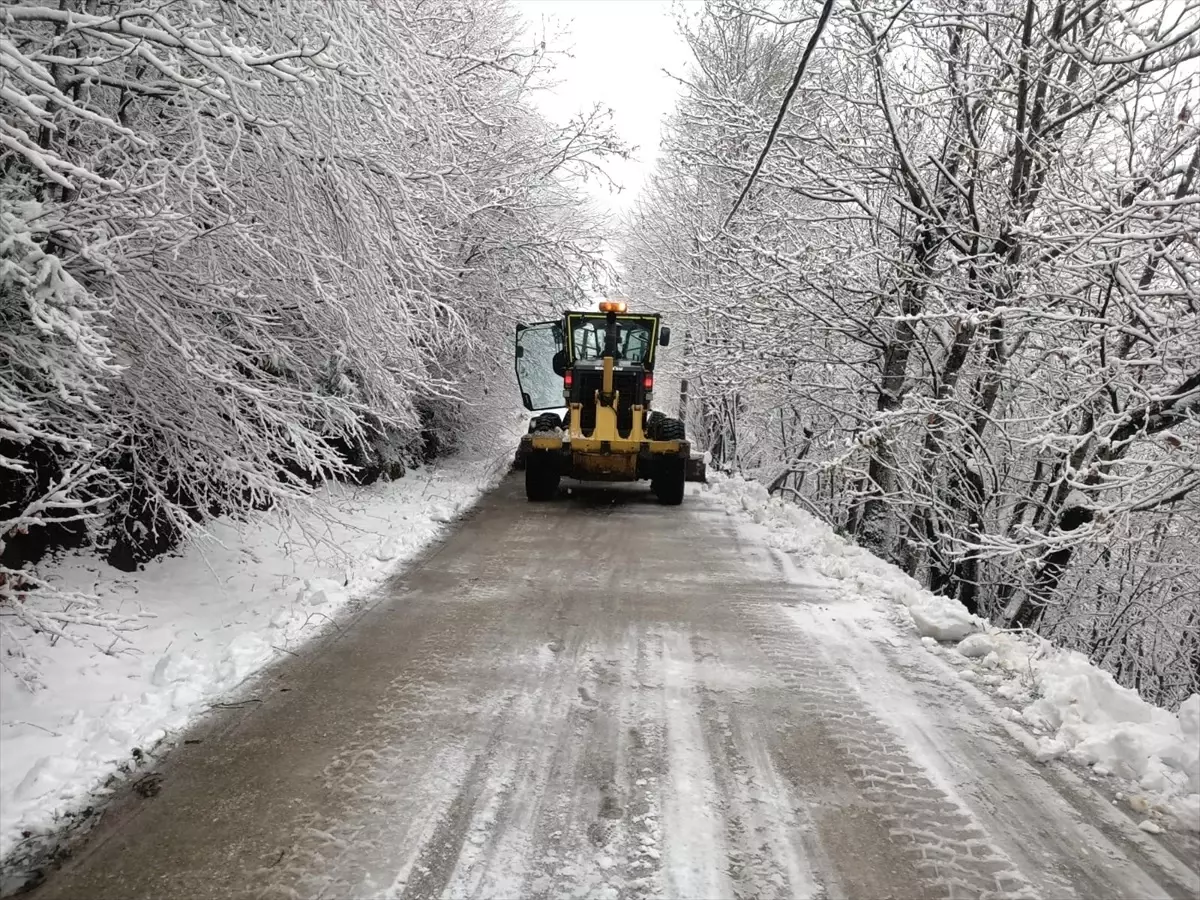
[(1075, 709), (73, 714)]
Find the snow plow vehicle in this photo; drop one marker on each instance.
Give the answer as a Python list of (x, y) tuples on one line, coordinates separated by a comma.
[(599, 366)]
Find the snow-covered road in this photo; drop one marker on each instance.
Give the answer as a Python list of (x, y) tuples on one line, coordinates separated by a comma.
[(603, 697)]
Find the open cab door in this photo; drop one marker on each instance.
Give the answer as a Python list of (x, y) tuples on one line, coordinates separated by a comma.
[(536, 346)]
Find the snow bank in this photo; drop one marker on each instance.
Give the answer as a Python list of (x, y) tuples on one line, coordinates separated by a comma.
[(1079, 711), (855, 572), (943, 622), (1076, 709), (72, 713)]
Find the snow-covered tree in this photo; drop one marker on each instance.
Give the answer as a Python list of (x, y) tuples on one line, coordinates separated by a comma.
[(248, 246), (957, 314)]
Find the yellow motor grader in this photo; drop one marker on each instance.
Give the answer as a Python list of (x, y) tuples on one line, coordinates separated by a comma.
[(599, 366)]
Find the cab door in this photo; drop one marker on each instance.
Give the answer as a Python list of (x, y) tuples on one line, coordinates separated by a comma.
[(541, 387)]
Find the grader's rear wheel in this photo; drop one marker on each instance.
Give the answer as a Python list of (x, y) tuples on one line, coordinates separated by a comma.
[(541, 477), (669, 482)]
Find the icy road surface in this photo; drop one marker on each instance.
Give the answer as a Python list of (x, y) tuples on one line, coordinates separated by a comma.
[(602, 697)]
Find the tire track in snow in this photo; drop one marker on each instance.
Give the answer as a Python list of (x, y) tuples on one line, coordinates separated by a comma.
[(390, 761), (693, 826), (935, 830), (1068, 839), (763, 832), (599, 832), (442, 850), (561, 802), (646, 768), (524, 719), (507, 810), (587, 789)]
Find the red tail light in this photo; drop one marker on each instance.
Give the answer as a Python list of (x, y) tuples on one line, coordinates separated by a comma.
[(648, 381), (568, 378)]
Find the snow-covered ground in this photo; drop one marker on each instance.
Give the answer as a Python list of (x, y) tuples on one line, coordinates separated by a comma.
[(722, 717), (1057, 700), (239, 598), (235, 599)]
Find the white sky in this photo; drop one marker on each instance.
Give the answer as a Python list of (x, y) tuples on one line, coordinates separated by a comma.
[(619, 49)]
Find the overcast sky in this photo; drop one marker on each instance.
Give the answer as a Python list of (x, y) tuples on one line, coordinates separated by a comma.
[(620, 49)]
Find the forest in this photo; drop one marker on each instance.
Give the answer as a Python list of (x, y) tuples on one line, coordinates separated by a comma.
[(246, 246), (957, 316), (250, 245)]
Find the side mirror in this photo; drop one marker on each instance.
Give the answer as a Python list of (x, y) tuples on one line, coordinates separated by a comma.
[(664, 336), (520, 352)]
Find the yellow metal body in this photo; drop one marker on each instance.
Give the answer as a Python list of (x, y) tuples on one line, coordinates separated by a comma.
[(604, 453), (604, 437)]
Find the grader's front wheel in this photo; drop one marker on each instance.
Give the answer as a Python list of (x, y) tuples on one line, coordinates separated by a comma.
[(671, 430)]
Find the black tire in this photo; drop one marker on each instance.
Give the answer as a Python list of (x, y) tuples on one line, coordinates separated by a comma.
[(671, 430), (653, 426), (670, 481), (545, 422), (541, 477)]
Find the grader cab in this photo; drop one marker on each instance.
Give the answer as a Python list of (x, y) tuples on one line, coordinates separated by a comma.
[(599, 367)]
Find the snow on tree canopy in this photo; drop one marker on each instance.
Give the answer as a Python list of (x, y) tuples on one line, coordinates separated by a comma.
[(957, 316)]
